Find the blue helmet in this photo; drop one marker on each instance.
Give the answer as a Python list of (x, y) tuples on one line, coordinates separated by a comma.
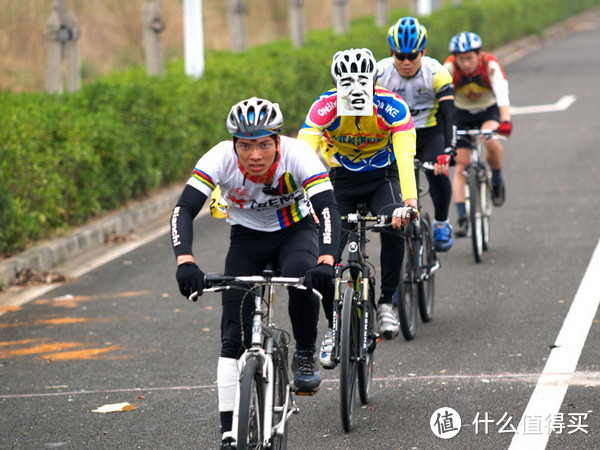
[(407, 36), (464, 42)]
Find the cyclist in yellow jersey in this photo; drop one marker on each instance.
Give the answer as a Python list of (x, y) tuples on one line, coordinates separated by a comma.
[(427, 88), (371, 158)]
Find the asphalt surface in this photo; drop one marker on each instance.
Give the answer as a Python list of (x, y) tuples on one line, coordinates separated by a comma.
[(121, 332)]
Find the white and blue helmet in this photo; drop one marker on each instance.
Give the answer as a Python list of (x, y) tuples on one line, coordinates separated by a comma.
[(464, 42), (254, 118)]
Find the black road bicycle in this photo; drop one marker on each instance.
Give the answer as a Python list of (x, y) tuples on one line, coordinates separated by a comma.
[(355, 333), (416, 291), (263, 402), (478, 191)]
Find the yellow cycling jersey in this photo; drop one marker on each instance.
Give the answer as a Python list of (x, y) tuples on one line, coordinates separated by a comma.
[(362, 144)]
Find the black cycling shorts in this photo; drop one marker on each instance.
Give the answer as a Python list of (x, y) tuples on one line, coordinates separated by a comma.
[(466, 121)]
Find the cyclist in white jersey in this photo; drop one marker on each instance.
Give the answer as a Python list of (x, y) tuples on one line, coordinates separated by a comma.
[(426, 86), (267, 180)]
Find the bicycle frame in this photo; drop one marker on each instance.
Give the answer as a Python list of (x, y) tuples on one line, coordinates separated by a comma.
[(360, 276), (262, 347)]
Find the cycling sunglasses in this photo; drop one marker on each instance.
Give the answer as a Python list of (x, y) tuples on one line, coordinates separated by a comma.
[(409, 56)]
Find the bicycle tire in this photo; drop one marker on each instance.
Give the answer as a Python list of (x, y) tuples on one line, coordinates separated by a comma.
[(280, 383), (475, 213), (348, 358), (365, 366), (486, 207), (426, 285), (250, 419), (406, 292)]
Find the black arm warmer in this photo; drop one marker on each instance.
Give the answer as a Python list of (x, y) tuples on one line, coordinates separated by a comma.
[(182, 230), (330, 222), (448, 113)]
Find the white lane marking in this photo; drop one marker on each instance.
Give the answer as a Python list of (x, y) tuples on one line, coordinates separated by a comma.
[(589, 379), (551, 388), (562, 104)]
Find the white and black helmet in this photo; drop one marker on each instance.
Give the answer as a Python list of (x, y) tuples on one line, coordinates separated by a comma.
[(354, 60), (254, 118)]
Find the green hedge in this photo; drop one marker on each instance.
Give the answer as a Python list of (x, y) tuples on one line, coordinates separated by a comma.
[(68, 158)]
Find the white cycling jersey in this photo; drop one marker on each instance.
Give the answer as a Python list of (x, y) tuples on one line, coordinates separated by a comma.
[(422, 91), (299, 175)]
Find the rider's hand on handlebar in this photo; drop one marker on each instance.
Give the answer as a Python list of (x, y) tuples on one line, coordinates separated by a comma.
[(320, 278), (190, 279), (442, 164), (505, 128), (401, 216)]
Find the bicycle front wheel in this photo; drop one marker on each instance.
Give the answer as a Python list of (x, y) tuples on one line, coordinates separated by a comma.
[(406, 293), (280, 384), (252, 400), (475, 212), (426, 286), (365, 365), (349, 342)]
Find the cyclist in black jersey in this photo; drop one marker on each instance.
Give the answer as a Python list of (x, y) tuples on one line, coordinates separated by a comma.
[(267, 179)]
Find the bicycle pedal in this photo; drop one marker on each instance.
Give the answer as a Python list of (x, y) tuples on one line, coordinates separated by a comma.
[(306, 393)]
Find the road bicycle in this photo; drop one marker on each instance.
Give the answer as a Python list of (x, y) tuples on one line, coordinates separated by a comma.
[(478, 191), (263, 401), (355, 333), (416, 291)]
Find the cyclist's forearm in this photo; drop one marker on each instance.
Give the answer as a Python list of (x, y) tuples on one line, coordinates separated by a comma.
[(448, 112), (330, 223), (182, 231), (404, 149), (504, 113)]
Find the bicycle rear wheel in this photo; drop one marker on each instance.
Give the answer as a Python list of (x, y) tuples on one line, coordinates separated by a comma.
[(406, 293), (365, 366), (426, 286), (250, 420), (348, 358), (475, 212), (280, 384)]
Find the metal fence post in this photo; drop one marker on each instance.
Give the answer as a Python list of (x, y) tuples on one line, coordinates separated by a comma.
[(62, 34), (341, 23), (381, 13), (152, 26), (236, 11), (297, 28)]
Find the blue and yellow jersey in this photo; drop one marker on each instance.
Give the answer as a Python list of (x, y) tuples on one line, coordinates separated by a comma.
[(364, 143)]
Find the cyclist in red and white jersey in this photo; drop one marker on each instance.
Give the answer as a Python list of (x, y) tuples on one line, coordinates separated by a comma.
[(427, 87), (481, 100), (267, 180)]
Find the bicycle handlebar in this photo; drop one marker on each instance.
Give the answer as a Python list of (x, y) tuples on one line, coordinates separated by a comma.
[(381, 221), (486, 133), (216, 282)]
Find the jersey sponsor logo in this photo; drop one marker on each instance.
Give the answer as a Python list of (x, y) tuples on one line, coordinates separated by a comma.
[(279, 200), (174, 232), (326, 108), (358, 141), (326, 225)]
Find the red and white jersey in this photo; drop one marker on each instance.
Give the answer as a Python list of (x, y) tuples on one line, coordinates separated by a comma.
[(299, 175), (486, 87)]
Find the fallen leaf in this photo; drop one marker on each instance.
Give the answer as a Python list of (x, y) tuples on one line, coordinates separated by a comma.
[(115, 407)]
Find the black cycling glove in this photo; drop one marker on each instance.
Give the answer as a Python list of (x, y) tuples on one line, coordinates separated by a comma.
[(190, 279), (320, 278)]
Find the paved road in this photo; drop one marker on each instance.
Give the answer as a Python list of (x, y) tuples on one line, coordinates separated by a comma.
[(121, 333)]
